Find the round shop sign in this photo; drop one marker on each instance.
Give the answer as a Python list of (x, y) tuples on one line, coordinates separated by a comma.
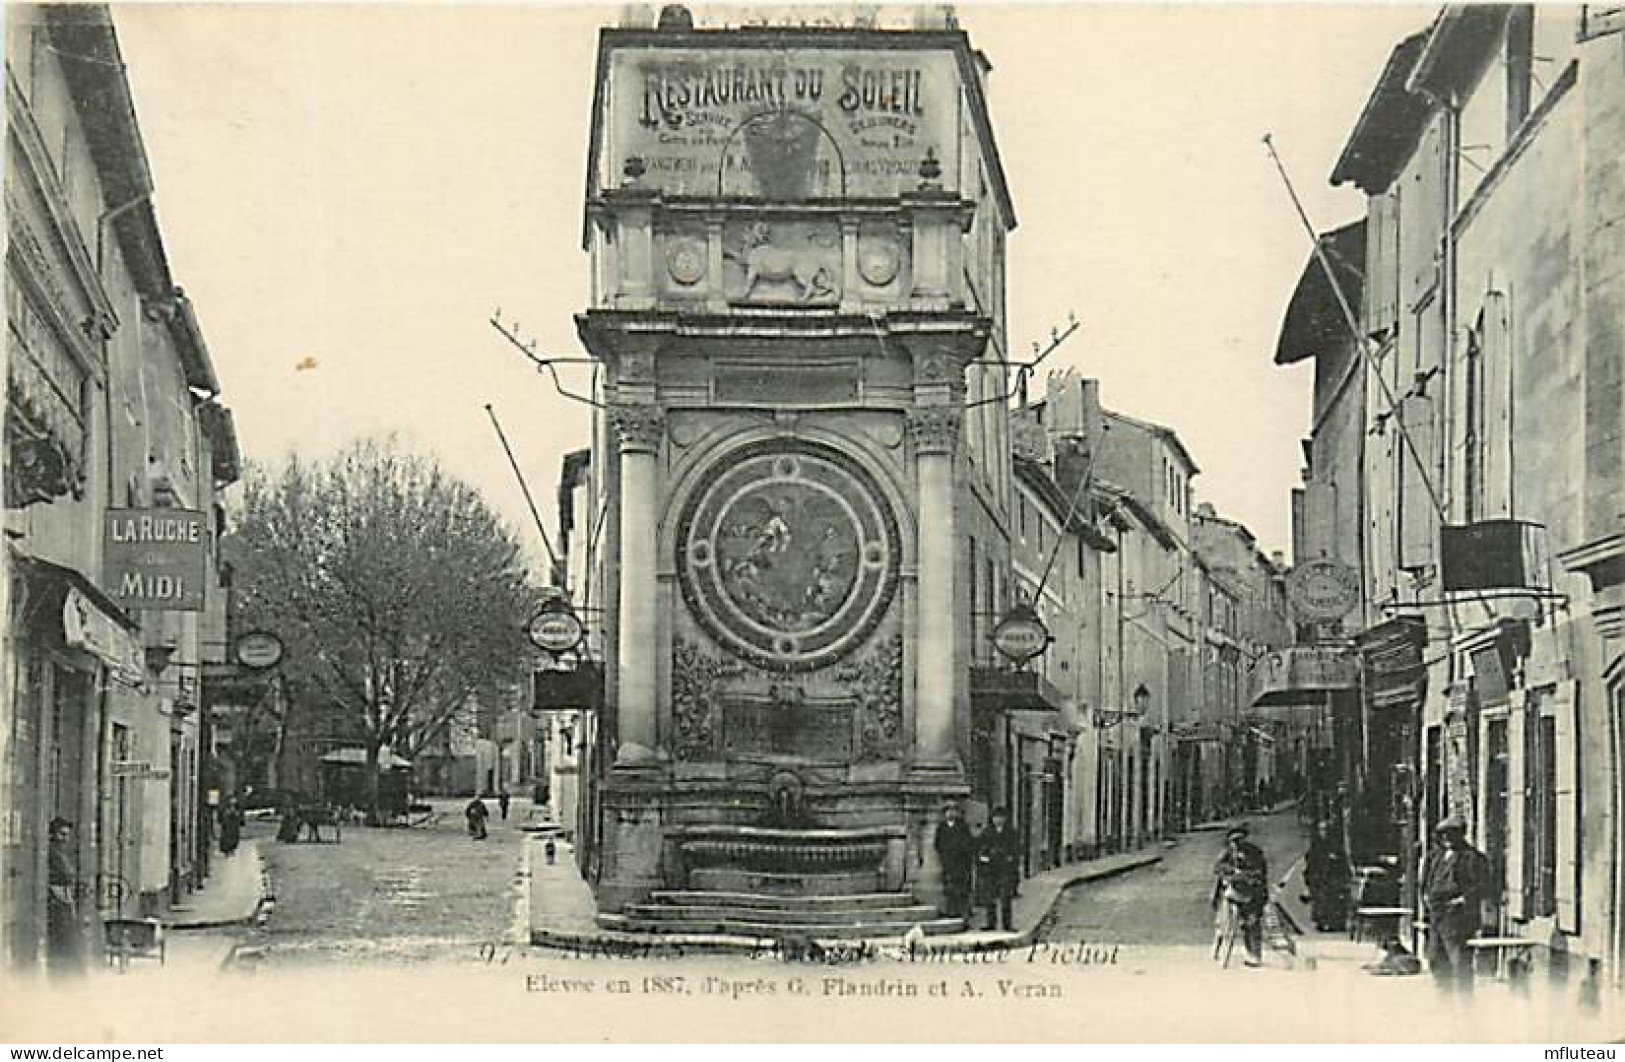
[(1323, 589), (788, 554), (555, 629), (1021, 635), (259, 650)]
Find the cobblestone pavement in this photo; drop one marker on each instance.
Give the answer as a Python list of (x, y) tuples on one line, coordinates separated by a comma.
[(1167, 905), (396, 895)]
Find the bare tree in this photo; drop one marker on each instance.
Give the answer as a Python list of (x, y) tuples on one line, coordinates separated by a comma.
[(400, 596)]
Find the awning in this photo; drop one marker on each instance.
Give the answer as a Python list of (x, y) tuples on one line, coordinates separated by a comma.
[(999, 690), (355, 757), (83, 617), (1305, 675)]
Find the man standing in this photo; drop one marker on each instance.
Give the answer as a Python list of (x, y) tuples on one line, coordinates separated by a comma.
[(1241, 879), (956, 853), (502, 804), (1453, 881), (996, 856), (62, 902)]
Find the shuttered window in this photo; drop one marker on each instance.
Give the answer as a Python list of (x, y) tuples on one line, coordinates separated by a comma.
[(1422, 205), (1564, 707), (1495, 397), (1518, 826), (1416, 516)]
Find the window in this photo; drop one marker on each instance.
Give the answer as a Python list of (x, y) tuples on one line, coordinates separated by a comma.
[(1473, 426), (1497, 795), (975, 611), (1520, 45), (1540, 835)]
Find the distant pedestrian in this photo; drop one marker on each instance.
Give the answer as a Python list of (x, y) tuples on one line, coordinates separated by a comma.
[(956, 853), (996, 862), (551, 849), (231, 826), (502, 804), (477, 813), (1327, 875), (65, 954), (1454, 877)]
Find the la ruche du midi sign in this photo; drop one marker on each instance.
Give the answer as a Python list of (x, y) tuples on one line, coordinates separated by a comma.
[(156, 558)]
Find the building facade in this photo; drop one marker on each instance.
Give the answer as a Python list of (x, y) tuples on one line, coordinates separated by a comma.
[(113, 441), (1468, 461), (797, 239)]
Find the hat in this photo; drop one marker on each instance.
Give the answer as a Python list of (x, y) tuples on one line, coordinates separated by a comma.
[(1451, 822), (1238, 830)]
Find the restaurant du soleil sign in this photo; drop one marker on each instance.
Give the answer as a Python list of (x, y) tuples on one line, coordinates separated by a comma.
[(784, 124), (156, 559)]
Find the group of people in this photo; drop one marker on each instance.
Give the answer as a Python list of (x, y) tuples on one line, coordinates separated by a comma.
[(1454, 882), (984, 864)]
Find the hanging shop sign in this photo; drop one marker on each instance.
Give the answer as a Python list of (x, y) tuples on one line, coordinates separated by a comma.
[(139, 769), (555, 628), (258, 650), (1494, 555), (86, 626), (1323, 589), (156, 558), (1021, 635)]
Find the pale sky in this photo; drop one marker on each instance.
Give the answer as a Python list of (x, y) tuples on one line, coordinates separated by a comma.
[(363, 185)]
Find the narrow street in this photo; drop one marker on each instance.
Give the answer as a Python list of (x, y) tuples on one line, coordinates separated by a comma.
[(1167, 905), (405, 894)]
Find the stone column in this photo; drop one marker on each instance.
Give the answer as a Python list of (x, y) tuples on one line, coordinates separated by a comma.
[(936, 435), (640, 428)]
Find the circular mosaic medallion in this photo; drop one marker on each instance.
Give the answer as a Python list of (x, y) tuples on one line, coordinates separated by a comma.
[(788, 554)]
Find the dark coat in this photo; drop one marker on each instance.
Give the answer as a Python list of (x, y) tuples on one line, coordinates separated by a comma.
[(997, 859), (1243, 875), (1454, 881), (231, 829), (956, 849)]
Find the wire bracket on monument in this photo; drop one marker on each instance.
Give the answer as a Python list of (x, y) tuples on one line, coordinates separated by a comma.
[(1025, 369), (512, 333)]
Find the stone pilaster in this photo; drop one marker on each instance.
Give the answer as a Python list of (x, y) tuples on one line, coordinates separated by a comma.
[(640, 429), (935, 431)]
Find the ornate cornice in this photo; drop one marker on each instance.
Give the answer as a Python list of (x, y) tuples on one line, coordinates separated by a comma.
[(640, 427), (935, 429)]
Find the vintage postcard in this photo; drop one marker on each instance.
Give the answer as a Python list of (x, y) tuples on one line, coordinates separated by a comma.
[(1071, 523)]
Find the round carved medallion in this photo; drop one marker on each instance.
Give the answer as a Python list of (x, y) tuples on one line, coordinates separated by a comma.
[(879, 259), (685, 261), (788, 554)]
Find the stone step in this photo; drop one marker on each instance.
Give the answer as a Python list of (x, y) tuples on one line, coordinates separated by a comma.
[(738, 927), (829, 883), (784, 902), (908, 914)]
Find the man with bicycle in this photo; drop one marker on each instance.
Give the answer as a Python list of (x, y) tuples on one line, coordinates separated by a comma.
[(1241, 880)]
